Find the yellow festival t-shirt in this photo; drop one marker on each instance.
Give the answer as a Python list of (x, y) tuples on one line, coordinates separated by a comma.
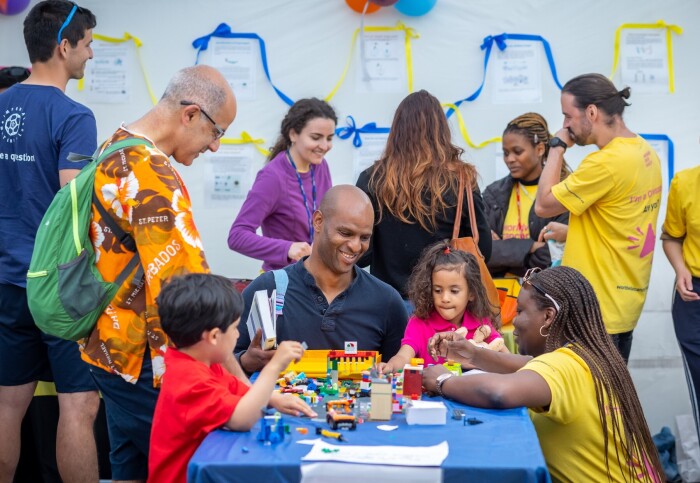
[(515, 224), (144, 194), (683, 215), (569, 429), (614, 198)]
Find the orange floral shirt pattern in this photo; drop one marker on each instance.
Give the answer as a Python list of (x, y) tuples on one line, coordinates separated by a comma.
[(145, 195)]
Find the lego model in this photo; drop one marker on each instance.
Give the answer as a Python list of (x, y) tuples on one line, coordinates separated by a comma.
[(272, 429), (316, 363), (453, 367), (413, 378), (365, 384), (380, 400), (339, 414)]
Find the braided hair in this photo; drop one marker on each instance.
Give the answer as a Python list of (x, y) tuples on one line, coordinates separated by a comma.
[(579, 325), (533, 127), (441, 256)]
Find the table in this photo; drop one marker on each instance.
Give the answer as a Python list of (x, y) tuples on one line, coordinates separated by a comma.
[(504, 448)]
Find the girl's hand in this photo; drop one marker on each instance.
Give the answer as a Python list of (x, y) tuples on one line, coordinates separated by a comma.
[(385, 368), (298, 250), (554, 231)]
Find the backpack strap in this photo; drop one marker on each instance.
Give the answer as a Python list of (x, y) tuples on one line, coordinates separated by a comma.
[(281, 282)]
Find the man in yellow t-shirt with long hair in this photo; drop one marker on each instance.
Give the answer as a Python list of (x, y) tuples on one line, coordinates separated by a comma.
[(613, 196)]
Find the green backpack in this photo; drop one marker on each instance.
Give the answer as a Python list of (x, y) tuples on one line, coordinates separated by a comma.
[(65, 291)]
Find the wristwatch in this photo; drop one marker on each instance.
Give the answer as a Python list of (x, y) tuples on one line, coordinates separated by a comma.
[(556, 142), (440, 381)]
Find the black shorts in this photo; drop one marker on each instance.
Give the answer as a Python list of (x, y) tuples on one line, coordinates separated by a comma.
[(28, 355)]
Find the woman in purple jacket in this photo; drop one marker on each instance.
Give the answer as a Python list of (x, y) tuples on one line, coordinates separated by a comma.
[(288, 189)]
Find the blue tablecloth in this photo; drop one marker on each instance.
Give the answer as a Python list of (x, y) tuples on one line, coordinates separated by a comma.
[(502, 449)]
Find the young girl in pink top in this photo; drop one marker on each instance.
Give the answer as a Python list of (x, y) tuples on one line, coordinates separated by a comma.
[(446, 288)]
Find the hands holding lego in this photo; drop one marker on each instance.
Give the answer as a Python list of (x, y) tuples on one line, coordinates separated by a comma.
[(255, 358), (452, 346), (290, 404), (286, 352), (386, 368)]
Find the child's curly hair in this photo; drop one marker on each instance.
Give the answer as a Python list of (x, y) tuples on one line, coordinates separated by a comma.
[(441, 256)]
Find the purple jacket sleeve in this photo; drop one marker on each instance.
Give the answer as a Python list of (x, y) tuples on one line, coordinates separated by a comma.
[(261, 201)]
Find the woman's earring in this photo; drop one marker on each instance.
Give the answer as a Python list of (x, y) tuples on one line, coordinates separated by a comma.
[(543, 335)]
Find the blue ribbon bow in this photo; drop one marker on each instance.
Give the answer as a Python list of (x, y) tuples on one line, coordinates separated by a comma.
[(500, 41), (224, 31), (352, 130)]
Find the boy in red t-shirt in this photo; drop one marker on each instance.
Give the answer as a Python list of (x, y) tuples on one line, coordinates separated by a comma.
[(200, 313)]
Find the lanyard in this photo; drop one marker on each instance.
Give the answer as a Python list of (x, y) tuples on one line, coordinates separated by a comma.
[(519, 187), (303, 194)]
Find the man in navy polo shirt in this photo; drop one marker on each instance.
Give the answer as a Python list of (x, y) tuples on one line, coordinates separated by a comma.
[(329, 300), (39, 127)]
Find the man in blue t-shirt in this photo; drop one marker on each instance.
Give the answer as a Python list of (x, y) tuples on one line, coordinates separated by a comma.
[(39, 127)]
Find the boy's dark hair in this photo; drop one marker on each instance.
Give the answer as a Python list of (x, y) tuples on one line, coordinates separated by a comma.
[(197, 302), (43, 22), (441, 256)]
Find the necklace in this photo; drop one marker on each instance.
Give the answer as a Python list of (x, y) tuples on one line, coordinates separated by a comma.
[(303, 194)]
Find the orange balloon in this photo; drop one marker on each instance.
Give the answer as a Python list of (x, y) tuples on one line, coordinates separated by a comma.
[(359, 6)]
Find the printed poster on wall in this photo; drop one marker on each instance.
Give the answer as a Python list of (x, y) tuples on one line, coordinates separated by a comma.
[(236, 60), (228, 175), (371, 150), (644, 60), (108, 79), (384, 67), (516, 73)]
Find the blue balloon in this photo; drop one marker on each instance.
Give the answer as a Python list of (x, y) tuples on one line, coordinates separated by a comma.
[(415, 8)]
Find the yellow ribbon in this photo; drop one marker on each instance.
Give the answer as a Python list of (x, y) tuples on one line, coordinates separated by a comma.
[(658, 25), (410, 34), (248, 139), (463, 129), (137, 42)]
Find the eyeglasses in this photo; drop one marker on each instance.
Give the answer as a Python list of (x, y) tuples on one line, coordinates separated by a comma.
[(526, 279), (219, 132)]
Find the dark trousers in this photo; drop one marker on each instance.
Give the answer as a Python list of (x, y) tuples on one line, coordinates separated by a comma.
[(686, 321), (623, 342)]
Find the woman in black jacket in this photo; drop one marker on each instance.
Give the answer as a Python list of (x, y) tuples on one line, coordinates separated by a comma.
[(510, 201), (413, 188)]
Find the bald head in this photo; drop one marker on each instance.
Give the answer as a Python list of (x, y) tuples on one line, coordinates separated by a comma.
[(345, 198), (201, 84)]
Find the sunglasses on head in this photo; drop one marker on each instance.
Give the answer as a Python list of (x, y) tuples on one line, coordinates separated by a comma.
[(526, 279)]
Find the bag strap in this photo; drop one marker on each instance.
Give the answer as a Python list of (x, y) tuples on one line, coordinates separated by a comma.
[(465, 185), (281, 282)]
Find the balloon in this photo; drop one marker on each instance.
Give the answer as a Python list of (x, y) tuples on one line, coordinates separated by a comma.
[(414, 8), (384, 3), (12, 7), (359, 6)]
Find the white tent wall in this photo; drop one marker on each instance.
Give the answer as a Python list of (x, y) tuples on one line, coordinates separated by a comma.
[(308, 43)]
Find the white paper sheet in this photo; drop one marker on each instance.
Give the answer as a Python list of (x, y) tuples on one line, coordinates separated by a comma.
[(371, 150), (644, 60), (228, 174), (516, 73), (236, 60), (108, 80), (352, 473), (384, 67), (380, 455)]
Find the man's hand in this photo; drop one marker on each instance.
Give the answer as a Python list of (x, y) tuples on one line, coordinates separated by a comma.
[(554, 231), (255, 358), (298, 250), (292, 405), (565, 136), (684, 286)]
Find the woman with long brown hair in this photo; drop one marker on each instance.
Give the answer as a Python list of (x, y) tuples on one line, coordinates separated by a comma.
[(414, 187)]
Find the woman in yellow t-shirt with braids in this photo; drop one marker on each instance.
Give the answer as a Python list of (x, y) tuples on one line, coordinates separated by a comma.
[(582, 401), (509, 202)]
